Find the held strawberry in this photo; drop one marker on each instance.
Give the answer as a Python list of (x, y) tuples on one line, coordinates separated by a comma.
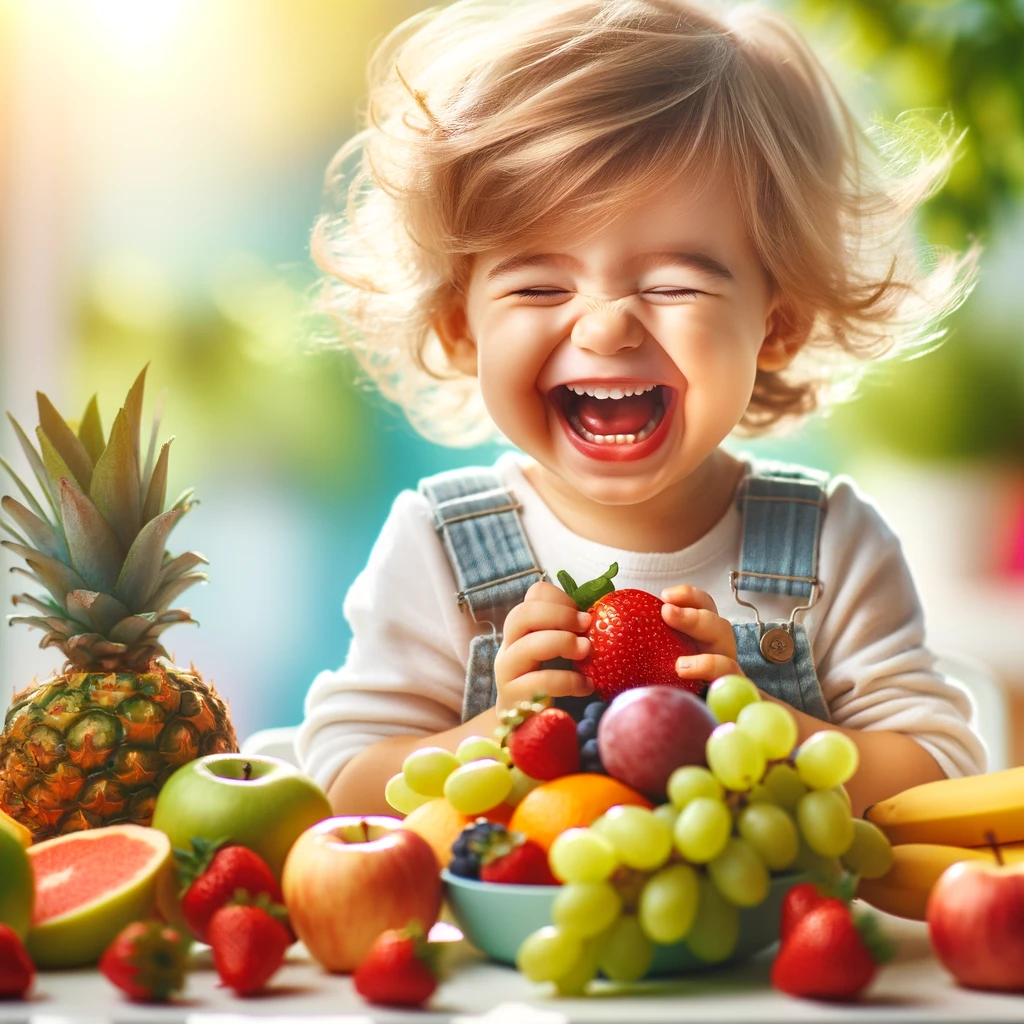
[(400, 969), (630, 644), (249, 941), (830, 954), (16, 969), (147, 961), (543, 744), (212, 873)]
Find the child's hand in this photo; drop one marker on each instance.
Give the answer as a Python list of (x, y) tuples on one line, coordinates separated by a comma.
[(695, 613), (546, 625)]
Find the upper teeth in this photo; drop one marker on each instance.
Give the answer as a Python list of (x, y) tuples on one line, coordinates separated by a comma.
[(598, 392)]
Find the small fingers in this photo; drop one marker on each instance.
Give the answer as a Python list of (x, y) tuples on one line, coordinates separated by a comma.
[(707, 666), (708, 628), (551, 682), (531, 616), (525, 654), (544, 591), (689, 597)]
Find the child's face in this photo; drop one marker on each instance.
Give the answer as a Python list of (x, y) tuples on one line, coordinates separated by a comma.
[(619, 312)]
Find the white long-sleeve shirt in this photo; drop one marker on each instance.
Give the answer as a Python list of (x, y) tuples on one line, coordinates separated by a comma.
[(406, 666)]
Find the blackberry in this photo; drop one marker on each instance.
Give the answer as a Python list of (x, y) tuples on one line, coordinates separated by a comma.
[(470, 845), (586, 735)]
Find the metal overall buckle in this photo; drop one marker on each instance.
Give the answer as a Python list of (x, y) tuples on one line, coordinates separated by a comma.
[(777, 644)]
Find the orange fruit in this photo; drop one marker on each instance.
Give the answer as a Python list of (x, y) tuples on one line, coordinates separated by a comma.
[(573, 801), (440, 824)]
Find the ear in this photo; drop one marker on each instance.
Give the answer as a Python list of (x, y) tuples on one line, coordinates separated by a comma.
[(452, 328), (787, 331)]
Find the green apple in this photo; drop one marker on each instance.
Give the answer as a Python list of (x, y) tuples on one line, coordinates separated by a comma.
[(263, 803), (17, 886)]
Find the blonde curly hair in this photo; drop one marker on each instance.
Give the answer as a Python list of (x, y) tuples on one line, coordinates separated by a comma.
[(488, 120)]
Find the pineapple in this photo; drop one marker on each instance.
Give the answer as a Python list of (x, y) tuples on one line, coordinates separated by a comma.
[(93, 745)]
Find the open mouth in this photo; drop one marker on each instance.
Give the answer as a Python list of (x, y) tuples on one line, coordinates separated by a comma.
[(620, 415)]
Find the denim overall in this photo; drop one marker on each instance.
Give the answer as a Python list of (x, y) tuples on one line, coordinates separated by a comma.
[(478, 521)]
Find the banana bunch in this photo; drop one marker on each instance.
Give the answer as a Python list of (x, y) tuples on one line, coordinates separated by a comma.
[(939, 824)]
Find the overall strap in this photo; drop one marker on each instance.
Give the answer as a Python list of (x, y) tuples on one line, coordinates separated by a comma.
[(478, 521), (782, 508)]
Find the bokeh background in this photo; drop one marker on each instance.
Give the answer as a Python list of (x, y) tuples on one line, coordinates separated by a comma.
[(161, 164)]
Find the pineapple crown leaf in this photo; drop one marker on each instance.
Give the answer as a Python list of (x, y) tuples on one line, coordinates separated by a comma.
[(64, 442), (26, 493), (38, 531), (190, 864), (589, 593), (38, 469)]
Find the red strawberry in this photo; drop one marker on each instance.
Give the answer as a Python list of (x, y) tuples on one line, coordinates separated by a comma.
[(16, 969), (630, 643), (829, 954), (544, 746), (248, 941), (147, 961), (400, 969), (526, 863), (211, 875), (798, 903)]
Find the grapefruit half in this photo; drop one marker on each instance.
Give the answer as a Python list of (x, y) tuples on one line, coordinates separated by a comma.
[(90, 885)]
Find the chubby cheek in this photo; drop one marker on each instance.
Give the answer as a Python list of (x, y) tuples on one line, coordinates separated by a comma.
[(719, 369), (509, 390)]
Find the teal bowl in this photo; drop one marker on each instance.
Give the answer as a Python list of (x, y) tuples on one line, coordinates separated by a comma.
[(496, 918)]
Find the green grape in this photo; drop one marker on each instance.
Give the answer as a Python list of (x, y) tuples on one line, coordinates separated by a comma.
[(772, 726), (586, 908), (826, 869), (761, 794), (624, 952), (783, 782), (691, 781), (581, 974), (666, 813), (728, 695), (735, 757), (771, 832), (548, 954), (582, 855), (401, 797), (640, 839), (739, 874), (668, 904), (716, 928), (521, 785), (841, 790), (427, 769), (478, 786), (825, 823), (826, 759), (475, 748), (870, 853), (702, 829)]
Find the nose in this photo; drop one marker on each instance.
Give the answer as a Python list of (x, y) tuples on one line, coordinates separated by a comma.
[(607, 327)]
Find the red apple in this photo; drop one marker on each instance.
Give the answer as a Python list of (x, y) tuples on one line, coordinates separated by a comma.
[(649, 732), (348, 879), (976, 924)]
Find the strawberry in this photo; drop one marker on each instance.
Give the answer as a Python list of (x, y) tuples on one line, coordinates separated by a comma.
[(830, 954), (16, 969), (797, 904), (400, 969), (544, 745), (213, 873), (520, 862), (249, 941), (147, 961), (630, 643)]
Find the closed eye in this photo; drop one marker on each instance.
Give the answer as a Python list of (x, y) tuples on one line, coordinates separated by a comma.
[(539, 292), (676, 293)]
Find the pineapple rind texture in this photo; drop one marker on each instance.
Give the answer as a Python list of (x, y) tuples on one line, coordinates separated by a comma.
[(92, 745), (85, 749)]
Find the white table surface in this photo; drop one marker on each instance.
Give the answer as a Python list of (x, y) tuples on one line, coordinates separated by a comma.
[(913, 987)]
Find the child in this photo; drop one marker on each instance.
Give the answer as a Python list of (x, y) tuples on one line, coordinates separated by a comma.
[(612, 232)]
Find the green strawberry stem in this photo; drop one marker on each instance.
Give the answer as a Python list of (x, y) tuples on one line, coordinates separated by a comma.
[(881, 947), (589, 593), (190, 864)]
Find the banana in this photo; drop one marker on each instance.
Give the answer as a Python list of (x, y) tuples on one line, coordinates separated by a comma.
[(916, 867), (956, 812)]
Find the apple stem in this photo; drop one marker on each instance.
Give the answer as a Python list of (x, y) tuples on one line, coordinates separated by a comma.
[(990, 838), (246, 771)]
